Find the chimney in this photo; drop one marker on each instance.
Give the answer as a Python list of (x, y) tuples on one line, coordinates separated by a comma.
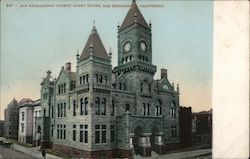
[(164, 73), (68, 67)]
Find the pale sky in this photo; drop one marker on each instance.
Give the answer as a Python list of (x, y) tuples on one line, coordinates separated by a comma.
[(35, 39)]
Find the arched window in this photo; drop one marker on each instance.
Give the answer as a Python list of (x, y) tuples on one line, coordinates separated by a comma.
[(96, 78), (64, 88), (100, 79), (123, 61), (173, 110), (130, 58), (158, 108), (127, 59), (124, 86), (59, 89), (83, 79), (120, 86), (80, 80), (81, 106), (58, 110), (86, 106), (143, 58), (104, 101), (139, 57), (87, 78), (113, 108), (97, 106), (149, 88), (146, 59)]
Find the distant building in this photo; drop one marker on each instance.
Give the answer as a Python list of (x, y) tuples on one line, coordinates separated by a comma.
[(37, 115), (27, 120), (11, 120), (202, 127), (185, 117), (1, 128)]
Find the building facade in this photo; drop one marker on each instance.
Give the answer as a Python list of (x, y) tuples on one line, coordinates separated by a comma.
[(185, 117), (100, 112), (29, 110), (11, 120), (1, 128)]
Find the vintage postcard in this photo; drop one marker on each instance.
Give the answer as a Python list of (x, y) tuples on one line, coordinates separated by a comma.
[(106, 79)]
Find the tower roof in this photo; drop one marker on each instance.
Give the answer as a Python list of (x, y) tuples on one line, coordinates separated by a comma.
[(94, 43), (133, 15)]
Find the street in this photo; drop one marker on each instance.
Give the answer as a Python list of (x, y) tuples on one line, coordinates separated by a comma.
[(12, 153)]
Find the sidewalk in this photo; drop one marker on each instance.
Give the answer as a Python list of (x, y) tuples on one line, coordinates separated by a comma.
[(33, 152), (179, 155)]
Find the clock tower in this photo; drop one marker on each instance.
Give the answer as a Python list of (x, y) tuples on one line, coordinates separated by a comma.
[(135, 47)]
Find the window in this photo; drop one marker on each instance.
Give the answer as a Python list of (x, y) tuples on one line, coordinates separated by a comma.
[(173, 131), (74, 133), (80, 80), (59, 89), (83, 79), (149, 88), (148, 109), (112, 133), (104, 106), (173, 113), (127, 108), (61, 111), (120, 86), (61, 132), (81, 106), (86, 106), (74, 108), (57, 132), (52, 112), (22, 129), (141, 87), (103, 133), (64, 132), (81, 133), (64, 109), (124, 86), (85, 133), (22, 116), (113, 108), (158, 108), (87, 78), (97, 106), (64, 88), (97, 133), (144, 109), (100, 79), (52, 130)]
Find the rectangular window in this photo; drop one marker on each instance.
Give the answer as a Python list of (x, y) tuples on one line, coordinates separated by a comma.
[(173, 131), (112, 133), (61, 131), (52, 112), (148, 110), (141, 87), (74, 133), (81, 136), (144, 109), (52, 130), (74, 108), (22, 125), (97, 133), (57, 132), (61, 111), (103, 133), (64, 109), (64, 132), (85, 133)]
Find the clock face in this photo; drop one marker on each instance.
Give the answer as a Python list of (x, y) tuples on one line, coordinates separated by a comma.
[(165, 87), (127, 47), (143, 46)]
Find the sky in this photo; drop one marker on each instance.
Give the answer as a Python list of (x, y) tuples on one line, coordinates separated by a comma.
[(37, 39)]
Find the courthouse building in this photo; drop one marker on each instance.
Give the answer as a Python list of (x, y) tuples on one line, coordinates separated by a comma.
[(100, 112)]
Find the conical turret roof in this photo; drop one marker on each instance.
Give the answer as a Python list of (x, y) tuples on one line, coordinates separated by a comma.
[(94, 45), (133, 15)]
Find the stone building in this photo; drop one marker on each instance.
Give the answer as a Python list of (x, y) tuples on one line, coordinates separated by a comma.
[(11, 120), (28, 112), (100, 112)]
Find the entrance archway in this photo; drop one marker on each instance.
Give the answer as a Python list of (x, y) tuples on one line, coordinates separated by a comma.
[(155, 132), (137, 132)]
